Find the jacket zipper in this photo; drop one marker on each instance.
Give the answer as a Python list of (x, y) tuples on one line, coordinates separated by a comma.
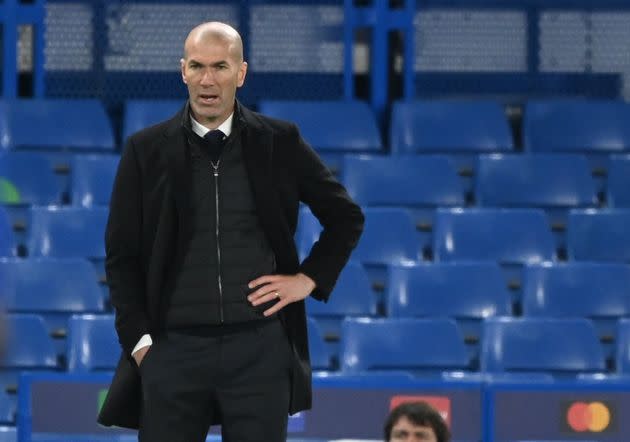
[(216, 204)]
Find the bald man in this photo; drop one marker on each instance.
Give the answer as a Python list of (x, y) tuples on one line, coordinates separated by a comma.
[(201, 265)]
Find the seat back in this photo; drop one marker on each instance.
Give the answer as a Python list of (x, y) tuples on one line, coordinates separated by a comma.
[(92, 343), (28, 178), (93, 179), (567, 346), (576, 126), (509, 236), (67, 232), (140, 114), (50, 285), (28, 344), (408, 344), (576, 290), (56, 123), (601, 235), (396, 181), (449, 126), (462, 290), (550, 180), (351, 125)]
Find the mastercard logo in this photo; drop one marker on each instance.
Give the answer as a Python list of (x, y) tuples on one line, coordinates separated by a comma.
[(593, 417)]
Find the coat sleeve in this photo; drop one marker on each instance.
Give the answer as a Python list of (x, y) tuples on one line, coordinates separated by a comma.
[(341, 218), (123, 245)]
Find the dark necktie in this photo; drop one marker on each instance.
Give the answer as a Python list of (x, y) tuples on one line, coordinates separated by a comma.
[(215, 140)]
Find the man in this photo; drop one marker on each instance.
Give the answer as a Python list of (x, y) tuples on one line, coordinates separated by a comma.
[(201, 264), (415, 422)]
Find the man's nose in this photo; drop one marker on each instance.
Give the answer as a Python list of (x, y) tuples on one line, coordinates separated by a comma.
[(207, 78)]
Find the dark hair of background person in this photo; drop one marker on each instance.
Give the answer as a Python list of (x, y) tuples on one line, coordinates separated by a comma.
[(419, 413)]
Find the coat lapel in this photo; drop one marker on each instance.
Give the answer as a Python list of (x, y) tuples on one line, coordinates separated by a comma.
[(179, 167), (258, 157)]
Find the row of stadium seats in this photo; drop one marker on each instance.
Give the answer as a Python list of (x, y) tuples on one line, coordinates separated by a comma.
[(523, 349), (418, 126), (509, 236), (28, 178), (516, 180), (553, 346), (391, 235), (57, 288)]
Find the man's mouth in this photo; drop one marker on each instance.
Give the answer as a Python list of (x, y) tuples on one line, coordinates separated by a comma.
[(208, 98)]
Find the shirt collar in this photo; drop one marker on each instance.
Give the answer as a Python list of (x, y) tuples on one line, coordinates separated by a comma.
[(201, 130)]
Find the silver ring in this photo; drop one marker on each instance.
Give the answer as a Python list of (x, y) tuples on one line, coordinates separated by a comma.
[(276, 294)]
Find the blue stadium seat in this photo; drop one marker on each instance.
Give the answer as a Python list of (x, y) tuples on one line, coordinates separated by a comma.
[(28, 343), (598, 291), (576, 290), (419, 183), (529, 345), (389, 236), (8, 434), (623, 347), (140, 114), (461, 290), (54, 288), (424, 181), (351, 126), (599, 235), (93, 179), (352, 295), (36, 124), (28, 178), (92, 343), (320, 359), (7, 239), (536, 180), (67, 232), (402, 344), (466, 292), (508, 236), (618, 184), (461, 129), (576, 126), (8, 408), (449, 126)]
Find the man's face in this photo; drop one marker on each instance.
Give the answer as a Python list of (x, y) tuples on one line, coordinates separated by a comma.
[(212, 74), (407, 431)]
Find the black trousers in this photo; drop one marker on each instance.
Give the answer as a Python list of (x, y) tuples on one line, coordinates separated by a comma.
[(241, 376)]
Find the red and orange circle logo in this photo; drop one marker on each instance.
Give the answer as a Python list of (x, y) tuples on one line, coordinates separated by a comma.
[(593, 417)]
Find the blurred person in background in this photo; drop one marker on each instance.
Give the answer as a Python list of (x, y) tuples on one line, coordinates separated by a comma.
[(415, 422)]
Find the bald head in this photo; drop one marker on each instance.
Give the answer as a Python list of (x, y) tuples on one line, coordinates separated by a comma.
[(214, 31)]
